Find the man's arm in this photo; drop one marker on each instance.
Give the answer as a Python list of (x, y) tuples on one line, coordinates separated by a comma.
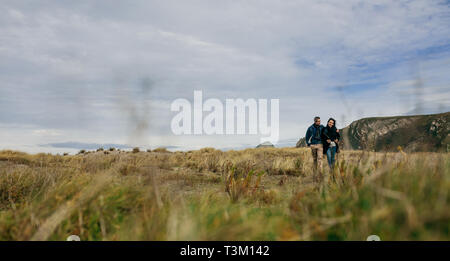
[(307, 136)]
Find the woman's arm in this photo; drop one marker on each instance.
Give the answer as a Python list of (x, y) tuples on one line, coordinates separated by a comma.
[(338, 136), (325, 136)]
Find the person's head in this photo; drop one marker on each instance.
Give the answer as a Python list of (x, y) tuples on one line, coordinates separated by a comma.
[(317, 120), (331, 122)]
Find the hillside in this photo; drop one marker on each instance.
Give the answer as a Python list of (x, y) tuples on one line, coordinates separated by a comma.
[(412, 133)]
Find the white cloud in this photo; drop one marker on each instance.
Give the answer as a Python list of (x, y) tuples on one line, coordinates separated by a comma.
[(46, 133), (78, 67)]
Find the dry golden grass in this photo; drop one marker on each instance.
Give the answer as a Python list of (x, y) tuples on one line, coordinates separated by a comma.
[(252, 194)]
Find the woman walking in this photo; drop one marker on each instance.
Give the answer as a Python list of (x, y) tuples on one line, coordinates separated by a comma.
[(330, 139)]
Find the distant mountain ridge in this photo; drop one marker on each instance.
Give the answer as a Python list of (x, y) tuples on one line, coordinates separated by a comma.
[(413, 133)]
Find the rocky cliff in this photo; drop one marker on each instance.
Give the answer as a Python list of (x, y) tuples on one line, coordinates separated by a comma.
[(412, 133)]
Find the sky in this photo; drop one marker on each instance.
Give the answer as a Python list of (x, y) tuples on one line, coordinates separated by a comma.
[(77, 74)]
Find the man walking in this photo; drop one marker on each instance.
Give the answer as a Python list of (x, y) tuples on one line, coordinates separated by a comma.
[(314, 141)]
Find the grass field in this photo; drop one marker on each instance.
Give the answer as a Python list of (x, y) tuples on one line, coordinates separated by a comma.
[(253, 194)]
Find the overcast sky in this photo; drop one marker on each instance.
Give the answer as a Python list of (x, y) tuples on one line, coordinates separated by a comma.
[(100, 72)]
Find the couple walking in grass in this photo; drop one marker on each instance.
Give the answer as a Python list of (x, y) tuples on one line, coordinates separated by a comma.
[(323, 140)]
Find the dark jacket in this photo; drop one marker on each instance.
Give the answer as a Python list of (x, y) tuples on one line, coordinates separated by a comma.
[(312, 137), (331, 134)]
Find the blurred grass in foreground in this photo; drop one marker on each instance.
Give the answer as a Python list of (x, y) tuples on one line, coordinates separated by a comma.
[(253, 194)]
